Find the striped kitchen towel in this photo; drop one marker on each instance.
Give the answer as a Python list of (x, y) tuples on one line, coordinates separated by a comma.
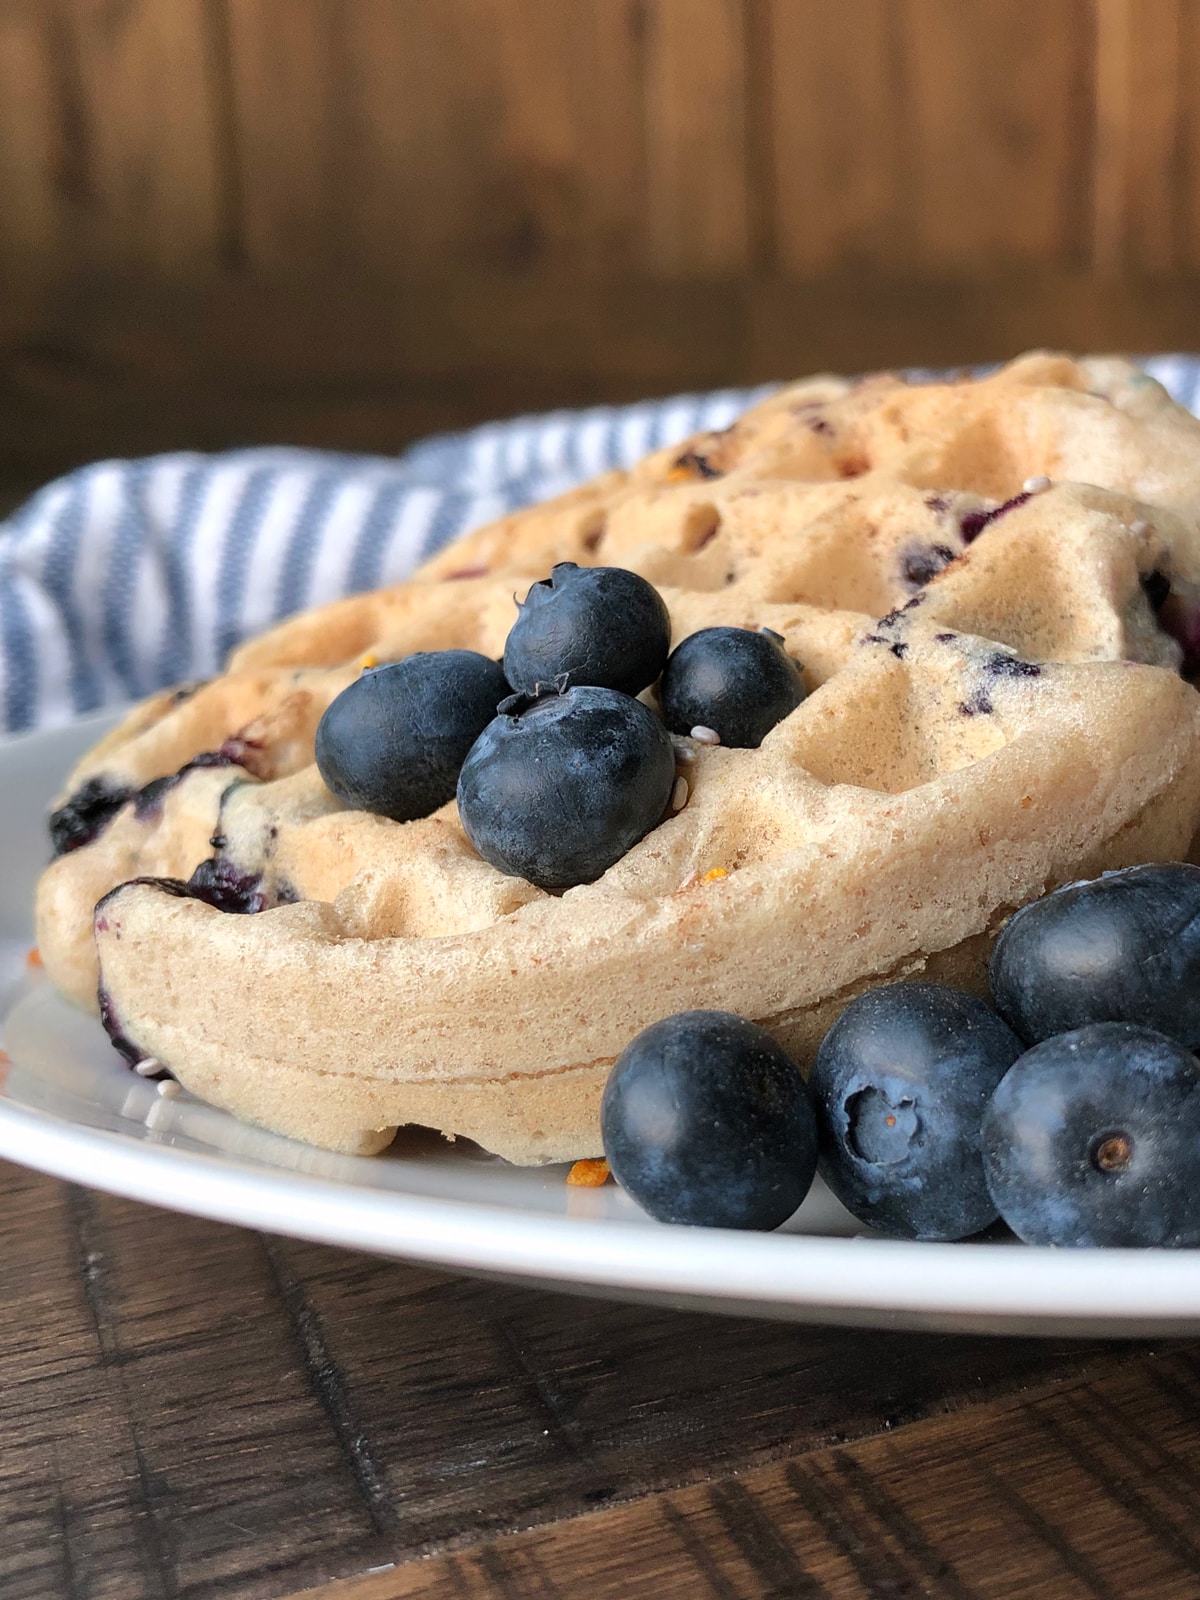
[(127, 576)]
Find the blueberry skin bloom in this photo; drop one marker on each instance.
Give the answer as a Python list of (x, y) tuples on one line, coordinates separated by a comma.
[(394, 740), (556, 789), (706, 1120), (1124, 947), (595, 625), (900, 1084), (735, 681), (1093, 1138)]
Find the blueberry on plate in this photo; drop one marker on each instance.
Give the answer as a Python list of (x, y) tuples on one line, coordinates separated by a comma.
[(706, 1120), (594, 625), (900, 1084), (736, 681), (558, 787), (1121, 948), (393, 742), (1093, 1138)]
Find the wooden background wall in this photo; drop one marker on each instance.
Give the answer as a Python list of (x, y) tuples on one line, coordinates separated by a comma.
[(350, 221)]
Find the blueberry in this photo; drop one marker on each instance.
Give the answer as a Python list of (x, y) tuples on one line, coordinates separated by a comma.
[(595, 625), (1121, 948), (706, 1120), (86, 814), (558, 787), (219, 883), (1093, 1138), (974, 522), (737, 682), (394, 741), (901, 1083)]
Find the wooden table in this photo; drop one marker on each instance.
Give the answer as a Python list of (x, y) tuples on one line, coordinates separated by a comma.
[(194, 1412)]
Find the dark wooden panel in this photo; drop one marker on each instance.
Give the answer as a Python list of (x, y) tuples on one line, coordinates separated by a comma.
[(698, 205), (128, 366), (997, 138), (110, 137), (1148, 153), (147, 134), (30, 140), (1137, 115), (401, 138), (70, 1487), (562, 1403), (838, 163), (681, 137), (159, 1418), (191, 1410), (930, 135), (1086, 1494), (283, 89), (349, 221)]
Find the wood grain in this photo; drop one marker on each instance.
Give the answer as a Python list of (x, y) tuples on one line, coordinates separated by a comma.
[(404, 138), (344, 222), (30, 135), (283, 69), (842, 184), (193, 1410), (697, 216), (1140, 109), (1088, 1492), (997, 127), (131, 365), (147, 133)]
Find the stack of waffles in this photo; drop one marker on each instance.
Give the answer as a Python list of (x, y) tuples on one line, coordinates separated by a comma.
[(992, 586)]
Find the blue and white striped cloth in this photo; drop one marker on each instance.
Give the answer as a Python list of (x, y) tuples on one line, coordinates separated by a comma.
[(127, 576)]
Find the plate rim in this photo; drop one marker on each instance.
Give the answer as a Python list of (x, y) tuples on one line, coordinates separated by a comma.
[(1133, 1291), (961, 1287)]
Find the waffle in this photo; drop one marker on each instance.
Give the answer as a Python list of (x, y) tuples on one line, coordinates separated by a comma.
[(991, 586)]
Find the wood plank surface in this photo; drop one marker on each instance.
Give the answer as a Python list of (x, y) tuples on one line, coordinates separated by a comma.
[(998, 160), (190, 1410), (1087, 1492), (30, 141), (839, 164), (404, 138), (1137, 122), (536, 206), (698, 208), (346, 222), (119, 366), (147, 134)]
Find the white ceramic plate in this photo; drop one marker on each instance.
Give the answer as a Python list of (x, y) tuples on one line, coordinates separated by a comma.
[(68, 1106)]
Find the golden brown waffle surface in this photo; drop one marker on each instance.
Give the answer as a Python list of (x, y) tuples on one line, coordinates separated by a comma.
[(1014, 720)]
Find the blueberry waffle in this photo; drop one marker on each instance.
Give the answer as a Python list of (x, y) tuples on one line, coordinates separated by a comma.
[(991, 589)]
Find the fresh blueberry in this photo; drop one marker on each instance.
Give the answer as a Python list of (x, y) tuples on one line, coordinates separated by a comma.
[(394, 741), (901, 1083), (558, 787), (1093, 1138), (738, 682), (594, 625), (706, 1120), (1121, 948)]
